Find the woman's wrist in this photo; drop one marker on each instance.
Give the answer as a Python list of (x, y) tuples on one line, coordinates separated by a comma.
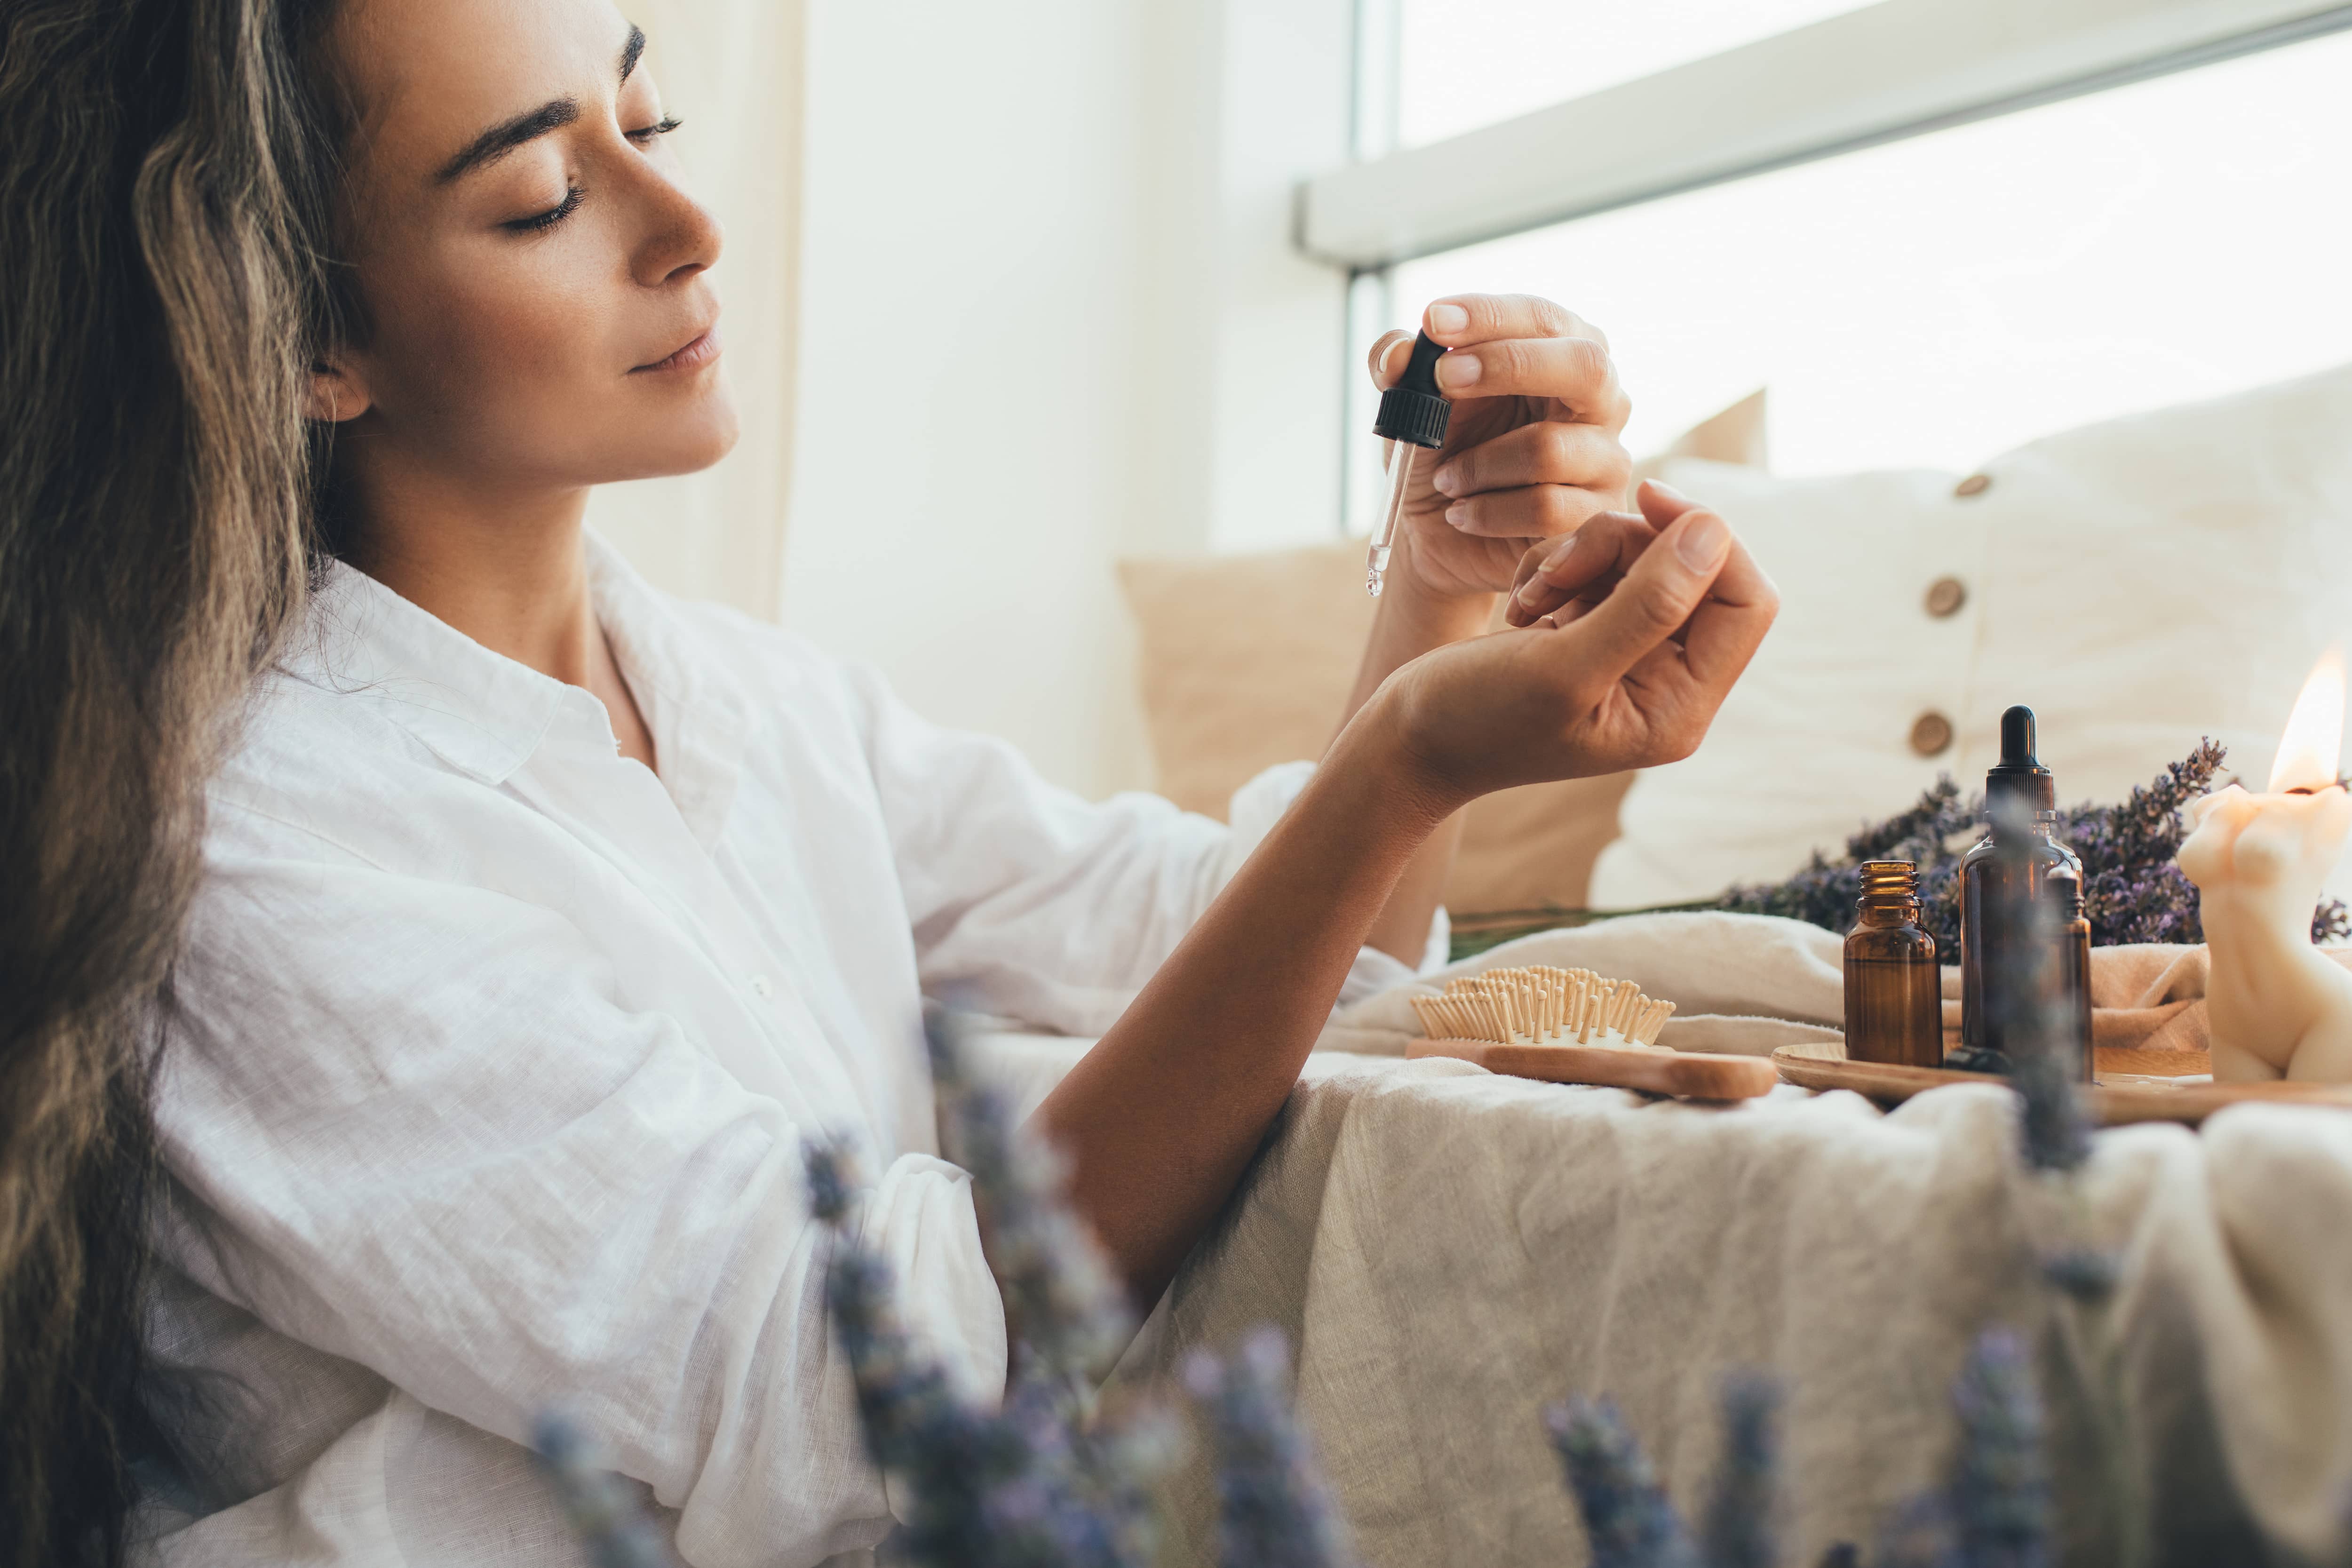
[(1388, 769), (1414, 614)]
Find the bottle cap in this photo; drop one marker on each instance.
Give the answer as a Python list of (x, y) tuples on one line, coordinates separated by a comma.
[(1413, 409), (2017, 775)]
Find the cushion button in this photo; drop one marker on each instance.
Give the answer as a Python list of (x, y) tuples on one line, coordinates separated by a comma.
[(1930, 733), (1974, 485), (1946, 596)]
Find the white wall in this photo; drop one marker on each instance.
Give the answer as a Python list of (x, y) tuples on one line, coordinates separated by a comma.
[(1049, 317)]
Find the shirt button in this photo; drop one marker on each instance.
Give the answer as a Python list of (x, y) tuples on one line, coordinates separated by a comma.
[(1946, 596), (1974, 485), (1930, 733), (762, 986)]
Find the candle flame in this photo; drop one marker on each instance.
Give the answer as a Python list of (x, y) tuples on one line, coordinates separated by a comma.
[(2312, 748)]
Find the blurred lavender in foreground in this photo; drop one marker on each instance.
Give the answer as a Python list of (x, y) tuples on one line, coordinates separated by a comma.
[(1060, 1299), (1049, 1481), (1994, 1512), (2000, 1486), (1272, 1508), (1628, 1521), (600, 1507), (1739, 1518)]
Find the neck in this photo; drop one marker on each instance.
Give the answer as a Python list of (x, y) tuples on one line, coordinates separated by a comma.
[(508, 570)]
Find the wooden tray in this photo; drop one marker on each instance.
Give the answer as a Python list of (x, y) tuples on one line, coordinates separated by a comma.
[(1652, 1070), (2118, 1100)]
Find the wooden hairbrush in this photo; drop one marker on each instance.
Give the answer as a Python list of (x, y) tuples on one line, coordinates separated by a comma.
[(1571, 1025)]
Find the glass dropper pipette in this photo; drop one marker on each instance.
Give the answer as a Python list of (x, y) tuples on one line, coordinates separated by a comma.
[(1413, 415)]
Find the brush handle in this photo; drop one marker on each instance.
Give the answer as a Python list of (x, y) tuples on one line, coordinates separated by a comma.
[(1692, 1075)]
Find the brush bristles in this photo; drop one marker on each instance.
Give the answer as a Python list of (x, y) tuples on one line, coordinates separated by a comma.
[(1543, 1006)]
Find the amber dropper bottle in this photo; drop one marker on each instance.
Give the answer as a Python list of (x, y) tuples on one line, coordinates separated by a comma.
[(2018, 863), (1893, 987)]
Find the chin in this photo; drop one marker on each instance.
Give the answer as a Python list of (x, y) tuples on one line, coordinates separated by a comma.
[(684, 442)]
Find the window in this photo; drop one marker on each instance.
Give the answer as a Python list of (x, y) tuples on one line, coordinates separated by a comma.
[(1931, 228), (1939, 299), (1452, 78)]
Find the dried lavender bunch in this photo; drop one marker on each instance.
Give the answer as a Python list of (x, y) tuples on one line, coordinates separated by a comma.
[(1273, 1510), (2132, 890), (1932, 835), (1628, 1521), (598, 1505)]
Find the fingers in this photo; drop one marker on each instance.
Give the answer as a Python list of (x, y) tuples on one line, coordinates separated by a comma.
[(1725, 630), (1550, 452), (1584, 566), (1661, 591), (1388, 358), (1533, 511), (1461, 319), (1576, 371)]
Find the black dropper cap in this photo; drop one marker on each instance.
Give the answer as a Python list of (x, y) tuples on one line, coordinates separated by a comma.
[(2017, 776), (1413, 410)]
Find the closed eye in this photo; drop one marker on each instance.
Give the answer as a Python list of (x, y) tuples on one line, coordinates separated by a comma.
[(643, 136), (550, 217)]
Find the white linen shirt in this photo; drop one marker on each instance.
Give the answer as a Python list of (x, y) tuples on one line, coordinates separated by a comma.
[(492, 1054)]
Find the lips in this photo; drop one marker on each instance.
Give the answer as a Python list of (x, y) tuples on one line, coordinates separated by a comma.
[(700, 351)]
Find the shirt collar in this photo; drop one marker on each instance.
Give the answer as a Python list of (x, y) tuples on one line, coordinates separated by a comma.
[(486, 714)]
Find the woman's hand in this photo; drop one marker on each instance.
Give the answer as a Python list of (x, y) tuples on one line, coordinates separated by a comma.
[(1633, 630), (1532, 450)]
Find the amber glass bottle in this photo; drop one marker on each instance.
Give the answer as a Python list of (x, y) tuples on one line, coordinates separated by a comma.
[(2018, 863), (1894, 988)]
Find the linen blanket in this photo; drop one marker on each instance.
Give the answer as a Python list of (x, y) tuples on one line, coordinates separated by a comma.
[(1449, 1251)]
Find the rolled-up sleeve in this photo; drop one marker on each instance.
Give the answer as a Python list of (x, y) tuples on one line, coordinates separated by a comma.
[(418, 1129), (1032, 902)]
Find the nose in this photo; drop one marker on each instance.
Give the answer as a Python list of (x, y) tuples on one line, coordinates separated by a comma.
[(680, 237)]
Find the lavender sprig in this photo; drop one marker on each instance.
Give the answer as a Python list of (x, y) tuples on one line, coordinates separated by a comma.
[(598, 1505), (1063, 1305), (1628, 1521), (1060, 1297), (2000, 1483), (1740, 1517), (1272, 1508)]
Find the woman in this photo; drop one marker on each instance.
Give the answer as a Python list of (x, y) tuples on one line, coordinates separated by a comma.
[(542, 918)]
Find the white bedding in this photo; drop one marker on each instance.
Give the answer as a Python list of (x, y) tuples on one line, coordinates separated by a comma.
[(1452, 1250)]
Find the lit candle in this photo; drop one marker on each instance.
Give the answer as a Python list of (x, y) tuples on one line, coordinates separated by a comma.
[(2277, 1009)]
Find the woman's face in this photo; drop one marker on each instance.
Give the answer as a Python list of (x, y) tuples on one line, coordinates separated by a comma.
[(540, 313)]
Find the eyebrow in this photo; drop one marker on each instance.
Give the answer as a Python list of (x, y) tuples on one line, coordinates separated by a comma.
[(509, 134)]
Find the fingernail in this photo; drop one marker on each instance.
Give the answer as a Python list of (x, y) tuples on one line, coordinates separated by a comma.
[(1704, 539), (1560, 553), (1458, 370), (1666, 490), (1458, 514), (1532, 591), (1447, 317), (1445, 479)]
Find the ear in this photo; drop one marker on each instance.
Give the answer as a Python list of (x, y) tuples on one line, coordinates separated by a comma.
[(337, 392)]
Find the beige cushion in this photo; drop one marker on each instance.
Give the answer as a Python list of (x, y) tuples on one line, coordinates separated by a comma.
[(1246, 661), (2139, 583)]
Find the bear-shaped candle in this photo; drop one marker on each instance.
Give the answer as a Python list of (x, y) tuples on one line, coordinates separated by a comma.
[(2276, 1007)]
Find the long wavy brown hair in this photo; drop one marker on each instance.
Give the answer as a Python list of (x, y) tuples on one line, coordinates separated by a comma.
[(164, 201)]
